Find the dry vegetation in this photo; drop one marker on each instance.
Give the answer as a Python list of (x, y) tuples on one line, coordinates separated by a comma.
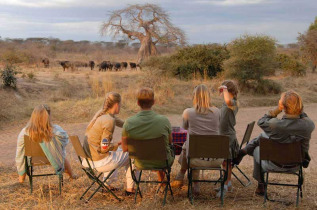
[(74, 98)]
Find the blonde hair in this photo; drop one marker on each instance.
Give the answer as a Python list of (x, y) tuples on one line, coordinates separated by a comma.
[(145, 97), (39, 126), (292, 103), (111, 99), (201, 99)]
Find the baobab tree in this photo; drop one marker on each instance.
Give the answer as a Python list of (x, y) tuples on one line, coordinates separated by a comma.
[(148, 23)]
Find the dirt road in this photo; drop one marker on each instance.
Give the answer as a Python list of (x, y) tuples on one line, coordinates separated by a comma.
[(8, 137)]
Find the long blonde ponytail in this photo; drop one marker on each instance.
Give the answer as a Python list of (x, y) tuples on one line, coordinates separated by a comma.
[(111, 99)]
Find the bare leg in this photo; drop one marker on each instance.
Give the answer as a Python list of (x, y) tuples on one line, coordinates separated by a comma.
[(229, 171), (22, 178), (68, 169), (161, 175)]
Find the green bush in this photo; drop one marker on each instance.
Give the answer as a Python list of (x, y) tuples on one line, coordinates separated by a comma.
[(31, 75), (8, 76), (263, 86), (290, 65), (204, 59), (251, 58)]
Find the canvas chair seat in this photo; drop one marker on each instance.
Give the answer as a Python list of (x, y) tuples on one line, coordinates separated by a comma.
[(286, 154), (207, 146), (34, 156)]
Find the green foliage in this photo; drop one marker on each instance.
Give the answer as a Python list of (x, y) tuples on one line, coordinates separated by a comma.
[(251, 58), (8, 76), (308, 45), (205, 59), (263, 86), (313, 26), (31, 75), (290, 65)]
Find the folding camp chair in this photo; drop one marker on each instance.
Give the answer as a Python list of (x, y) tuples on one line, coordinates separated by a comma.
[(34, 156), (208, 146), (284, 155), (90, 172), (245, 140), (153, 150)]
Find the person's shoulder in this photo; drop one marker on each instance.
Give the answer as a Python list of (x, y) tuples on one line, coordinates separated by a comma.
[(58, 130), (162, 118), (215, 109), (105, 118)]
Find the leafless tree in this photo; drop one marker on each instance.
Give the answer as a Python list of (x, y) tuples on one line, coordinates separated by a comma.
[(148, 23), (308, 45)]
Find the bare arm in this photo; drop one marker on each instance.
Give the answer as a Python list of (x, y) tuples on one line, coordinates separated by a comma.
[(170, 138), (124, 144)]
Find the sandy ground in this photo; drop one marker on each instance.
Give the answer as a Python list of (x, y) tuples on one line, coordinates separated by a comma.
[(245, 115)]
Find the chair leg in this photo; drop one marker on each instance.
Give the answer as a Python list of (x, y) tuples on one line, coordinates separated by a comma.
[(222, 188), (169, 183), (138, 187), (265, 187), (82, 196), (191, 187), (31, 179), (245, 176), (165, 194), (60, 177)]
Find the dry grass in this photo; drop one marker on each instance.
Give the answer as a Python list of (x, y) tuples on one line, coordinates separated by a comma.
[(75, 97), (45, 196)]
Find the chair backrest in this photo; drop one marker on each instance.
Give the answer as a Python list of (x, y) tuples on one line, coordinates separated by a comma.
[(147, 149), (247, 134), (34, 150), (78, 147), (282, 153), (208, 146)]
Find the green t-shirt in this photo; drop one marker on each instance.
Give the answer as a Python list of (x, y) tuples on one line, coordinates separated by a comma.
[(149, 125)]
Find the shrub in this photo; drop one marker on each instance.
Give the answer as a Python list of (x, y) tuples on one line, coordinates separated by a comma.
[(31, 75), (8, 76), (204, 59), (251, 58), (263, 86), (290, 65)]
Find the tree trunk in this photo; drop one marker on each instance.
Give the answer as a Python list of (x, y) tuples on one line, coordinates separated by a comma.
[(147, 49)]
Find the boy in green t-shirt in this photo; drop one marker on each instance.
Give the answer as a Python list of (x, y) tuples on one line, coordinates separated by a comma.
[(148, 125)]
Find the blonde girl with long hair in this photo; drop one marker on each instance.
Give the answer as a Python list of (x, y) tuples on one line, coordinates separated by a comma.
[(201, 119), (52, 139), (98, 143)]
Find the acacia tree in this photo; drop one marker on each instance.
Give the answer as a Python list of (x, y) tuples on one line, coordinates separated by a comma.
[(308, 45), (148, 23)]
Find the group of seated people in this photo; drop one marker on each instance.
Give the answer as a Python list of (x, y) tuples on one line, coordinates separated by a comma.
[(201, 119)]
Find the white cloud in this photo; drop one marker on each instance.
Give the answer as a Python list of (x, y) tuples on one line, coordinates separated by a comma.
[(73, 3), (231, 2)]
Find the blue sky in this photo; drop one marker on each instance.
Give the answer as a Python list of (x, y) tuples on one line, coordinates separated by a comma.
[(204, 21)]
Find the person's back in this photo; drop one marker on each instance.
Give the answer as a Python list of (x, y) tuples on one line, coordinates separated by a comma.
[(201, 124), (148, 125)]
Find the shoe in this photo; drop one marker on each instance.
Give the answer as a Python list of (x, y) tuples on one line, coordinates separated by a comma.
[(127, 193), (238, 159), (260, 189), (177, 183), (225, 190)]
